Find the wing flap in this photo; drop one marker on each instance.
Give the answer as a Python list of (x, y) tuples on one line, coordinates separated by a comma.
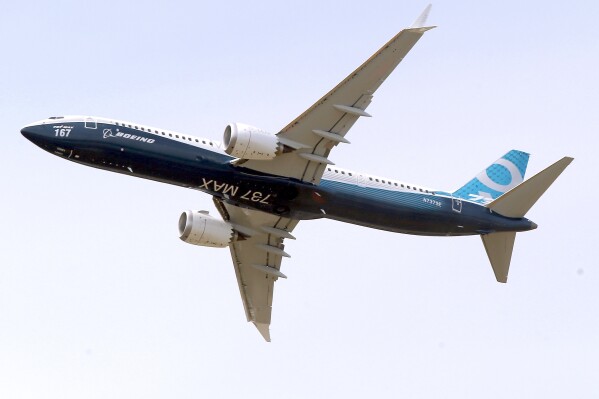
[(336, 112), (257, 255)]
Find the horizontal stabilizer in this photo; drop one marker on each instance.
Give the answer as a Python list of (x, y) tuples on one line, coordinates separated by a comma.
[(516, 202), (499, 247)]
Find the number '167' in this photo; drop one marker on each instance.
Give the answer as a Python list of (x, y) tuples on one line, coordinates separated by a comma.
[(62, 132)]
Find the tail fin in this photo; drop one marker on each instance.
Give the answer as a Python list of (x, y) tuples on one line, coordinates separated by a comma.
[(503, 175), (515, 204)]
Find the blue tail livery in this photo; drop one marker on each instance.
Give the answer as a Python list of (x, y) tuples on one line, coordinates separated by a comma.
[(499, 178)]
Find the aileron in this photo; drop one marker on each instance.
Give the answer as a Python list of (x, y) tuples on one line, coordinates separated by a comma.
[(257, 259), (327, 121)]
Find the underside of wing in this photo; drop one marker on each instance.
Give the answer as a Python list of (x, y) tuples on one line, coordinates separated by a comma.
[(257, 253), (308, 140)]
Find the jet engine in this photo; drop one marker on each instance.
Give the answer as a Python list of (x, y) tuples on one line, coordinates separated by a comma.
[(249, 142), (199, 228)]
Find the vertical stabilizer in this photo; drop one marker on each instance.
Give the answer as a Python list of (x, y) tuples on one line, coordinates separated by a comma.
[(499, 247), (500, 177)]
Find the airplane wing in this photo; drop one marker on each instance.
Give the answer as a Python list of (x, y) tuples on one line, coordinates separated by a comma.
[(257, 258), (309, 139)]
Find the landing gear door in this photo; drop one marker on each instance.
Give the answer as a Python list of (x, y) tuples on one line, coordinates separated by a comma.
[(456, 204)]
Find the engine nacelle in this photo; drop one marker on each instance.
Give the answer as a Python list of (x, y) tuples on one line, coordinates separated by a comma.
[(249, 142), (199, 228)]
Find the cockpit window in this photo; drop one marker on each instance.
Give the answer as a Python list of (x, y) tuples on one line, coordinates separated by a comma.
[(90, 123), (56, 117)]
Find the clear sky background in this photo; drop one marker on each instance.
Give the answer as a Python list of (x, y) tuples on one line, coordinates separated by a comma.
[(100, 299)]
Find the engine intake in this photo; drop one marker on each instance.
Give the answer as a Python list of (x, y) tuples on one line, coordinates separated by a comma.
[(249, 142), (199, 228)]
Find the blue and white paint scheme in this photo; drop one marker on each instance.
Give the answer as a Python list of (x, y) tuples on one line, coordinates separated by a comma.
[(263, 184), (499, 178)]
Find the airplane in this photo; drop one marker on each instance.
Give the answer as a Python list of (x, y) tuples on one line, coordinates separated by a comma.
[(264, 184)]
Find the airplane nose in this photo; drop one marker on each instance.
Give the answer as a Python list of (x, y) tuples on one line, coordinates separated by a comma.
[(28, 133), (533, 225), (35, 134)]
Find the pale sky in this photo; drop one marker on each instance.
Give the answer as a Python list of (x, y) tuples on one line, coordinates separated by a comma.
[(100, 299)]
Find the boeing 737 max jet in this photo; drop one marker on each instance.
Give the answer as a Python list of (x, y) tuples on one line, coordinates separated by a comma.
[(263, 184)]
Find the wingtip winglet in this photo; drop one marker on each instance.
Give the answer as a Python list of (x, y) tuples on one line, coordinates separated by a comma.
[(264, 330), (421, 20)]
